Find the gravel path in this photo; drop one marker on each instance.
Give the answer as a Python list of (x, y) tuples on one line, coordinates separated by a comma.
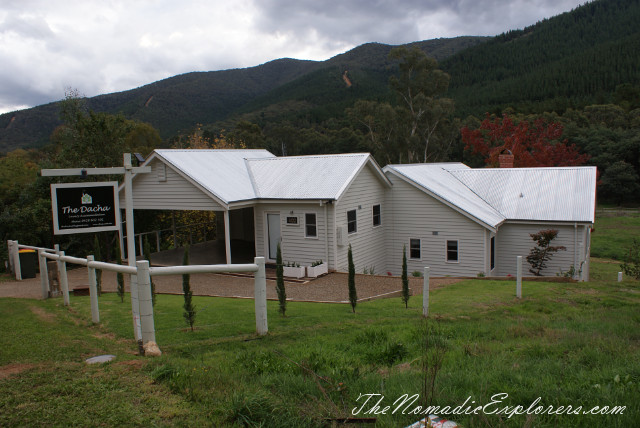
[(329, 288)]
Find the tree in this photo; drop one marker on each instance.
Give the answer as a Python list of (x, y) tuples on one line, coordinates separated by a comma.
[(541, 254), (282, 294), (147, 255), (119, 275), (534, 143), (90, 139), (353, 294), (620, 181), (97, 257), (405, 279), (422, 111), (189, 308)]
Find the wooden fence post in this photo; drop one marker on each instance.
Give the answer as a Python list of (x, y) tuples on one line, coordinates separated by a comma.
[(146, 304), (44, 274), (64, 280), (425, 293), (260, 297), (519, 277), (93, 291)]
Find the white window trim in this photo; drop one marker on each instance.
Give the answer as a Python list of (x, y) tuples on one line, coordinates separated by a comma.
[(409, 249), (305, 226), (355, 210), (446, 250), (375, 226)]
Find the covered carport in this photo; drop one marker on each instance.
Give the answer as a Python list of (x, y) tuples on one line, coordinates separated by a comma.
[(214, 180)]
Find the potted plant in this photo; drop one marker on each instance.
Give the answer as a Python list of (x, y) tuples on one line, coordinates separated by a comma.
[(294, 270), (316, 269)]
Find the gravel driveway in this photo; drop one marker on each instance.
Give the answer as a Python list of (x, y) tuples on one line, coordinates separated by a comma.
[(331, 288)]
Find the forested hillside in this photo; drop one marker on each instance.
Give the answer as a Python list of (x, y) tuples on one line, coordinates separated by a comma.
[(175, 105), (572, 60)]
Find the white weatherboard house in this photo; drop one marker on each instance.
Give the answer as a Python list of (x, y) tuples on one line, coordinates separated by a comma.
[(456, 220)]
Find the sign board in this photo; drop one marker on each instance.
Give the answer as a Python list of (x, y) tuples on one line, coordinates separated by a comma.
[(85, 207), (292, 221)]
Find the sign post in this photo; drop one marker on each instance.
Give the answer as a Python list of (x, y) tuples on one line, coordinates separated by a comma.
[(75, 226)]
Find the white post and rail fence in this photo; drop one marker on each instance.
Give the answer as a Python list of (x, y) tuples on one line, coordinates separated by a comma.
[(143, 272)]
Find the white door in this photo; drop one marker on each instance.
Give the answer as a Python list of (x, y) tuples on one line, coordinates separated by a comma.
[(273, 232)]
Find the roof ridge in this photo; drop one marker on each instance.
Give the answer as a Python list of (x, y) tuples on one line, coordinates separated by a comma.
[(344, 155)]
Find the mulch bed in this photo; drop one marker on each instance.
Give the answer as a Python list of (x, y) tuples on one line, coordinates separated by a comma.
[(331, 288)]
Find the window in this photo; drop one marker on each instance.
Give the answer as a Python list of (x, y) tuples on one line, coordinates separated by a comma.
[(310, 227), (377, 216), (493, 252), (352, 226), (414, 249), (452, 251)]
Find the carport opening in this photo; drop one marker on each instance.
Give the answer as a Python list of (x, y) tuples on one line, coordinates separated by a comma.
[(203, 231)]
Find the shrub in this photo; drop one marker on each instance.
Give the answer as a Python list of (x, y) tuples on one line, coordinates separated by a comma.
[(631, 266), (97, 256), (540, 255), (189, 308), (353, 294), (282, 293), (406, 293), (119, 275)]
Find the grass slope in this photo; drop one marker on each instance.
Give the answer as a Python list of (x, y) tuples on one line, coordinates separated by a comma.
[(570, 344)]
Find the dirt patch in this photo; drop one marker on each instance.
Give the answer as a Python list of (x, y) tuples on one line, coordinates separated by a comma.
[(42, 314), (134, 364), (14, 369)]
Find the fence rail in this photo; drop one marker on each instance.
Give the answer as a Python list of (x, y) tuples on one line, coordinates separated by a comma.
[(142, 274)]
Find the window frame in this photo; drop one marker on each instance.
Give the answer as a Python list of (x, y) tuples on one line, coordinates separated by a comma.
[(354, 222), (446, 250), (379, 216), (307, 224), (419, 249)]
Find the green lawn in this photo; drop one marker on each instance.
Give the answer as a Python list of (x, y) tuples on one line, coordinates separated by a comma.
[(569, 344), (613, 236)]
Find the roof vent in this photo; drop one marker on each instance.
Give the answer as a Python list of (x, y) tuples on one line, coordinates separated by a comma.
[(506, 159)]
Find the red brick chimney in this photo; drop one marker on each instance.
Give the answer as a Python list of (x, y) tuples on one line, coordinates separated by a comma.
[(506, 159)]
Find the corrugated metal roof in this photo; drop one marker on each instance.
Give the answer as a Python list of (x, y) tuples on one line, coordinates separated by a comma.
[(221, 172), (439, 181), (549, 194), (305, 177)]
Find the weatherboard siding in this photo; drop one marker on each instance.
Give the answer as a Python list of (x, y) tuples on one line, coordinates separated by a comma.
[(295, 246), (513, 239), (175, 193), (368, 242), (417, 215)]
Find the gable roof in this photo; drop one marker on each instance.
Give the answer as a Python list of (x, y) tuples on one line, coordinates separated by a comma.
[(221, 172), (436, 180), (546, 194), (240, 175), (493, 195), (308, 177)]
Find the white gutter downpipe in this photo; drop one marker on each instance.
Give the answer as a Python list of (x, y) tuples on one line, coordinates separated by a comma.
[(326, 234), (227, 236)]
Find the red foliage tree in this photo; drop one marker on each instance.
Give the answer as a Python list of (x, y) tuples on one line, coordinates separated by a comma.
[(533, 144)]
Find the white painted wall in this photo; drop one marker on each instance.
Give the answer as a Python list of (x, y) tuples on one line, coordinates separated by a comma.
[(295, 246), (418, 215), (514, 240), (174, 193), (368, 242)]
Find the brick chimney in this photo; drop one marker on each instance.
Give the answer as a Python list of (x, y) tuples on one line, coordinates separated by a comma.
[(506, 159)]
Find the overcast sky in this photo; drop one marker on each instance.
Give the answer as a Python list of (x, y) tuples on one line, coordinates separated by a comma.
[(97, 47)]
